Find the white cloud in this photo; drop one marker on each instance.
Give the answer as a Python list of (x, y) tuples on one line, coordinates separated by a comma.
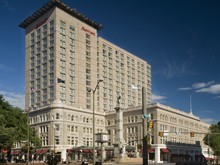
[(202, 84), (15, 99), (213, 89), (156, 98), (184, 89), (209, 121), (173, 69), (205, 87)]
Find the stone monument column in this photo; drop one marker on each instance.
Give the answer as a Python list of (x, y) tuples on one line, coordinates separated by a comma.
[(120, 145)]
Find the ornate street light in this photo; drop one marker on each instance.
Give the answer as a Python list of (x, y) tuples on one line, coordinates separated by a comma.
[(93, 112)]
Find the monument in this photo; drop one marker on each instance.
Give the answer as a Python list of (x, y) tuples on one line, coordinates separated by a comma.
[(120, 144)]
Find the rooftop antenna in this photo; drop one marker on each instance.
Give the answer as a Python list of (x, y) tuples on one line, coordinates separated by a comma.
[(190, 105)]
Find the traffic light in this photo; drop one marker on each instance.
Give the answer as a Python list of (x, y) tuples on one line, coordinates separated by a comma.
[(151, 124), (161, 134), (192, 134)]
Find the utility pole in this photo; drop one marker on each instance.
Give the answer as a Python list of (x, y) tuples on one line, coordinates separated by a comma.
[(144, 126)]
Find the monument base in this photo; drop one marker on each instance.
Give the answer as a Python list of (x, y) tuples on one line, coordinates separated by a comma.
[(128, 160)]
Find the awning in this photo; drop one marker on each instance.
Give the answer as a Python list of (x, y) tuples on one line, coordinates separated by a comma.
[(164, 150), (151, 150), (207, 158), (70, 151), (17, 152), (43, 151), (86, 151), (38, 152)]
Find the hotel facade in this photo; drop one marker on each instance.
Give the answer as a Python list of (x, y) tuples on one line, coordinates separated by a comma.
[(65, 58)]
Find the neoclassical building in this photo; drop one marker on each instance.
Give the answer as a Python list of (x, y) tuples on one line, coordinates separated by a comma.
[(176, 144)]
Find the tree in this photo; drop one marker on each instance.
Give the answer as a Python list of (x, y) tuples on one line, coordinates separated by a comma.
[(13, 126), (213, 138)]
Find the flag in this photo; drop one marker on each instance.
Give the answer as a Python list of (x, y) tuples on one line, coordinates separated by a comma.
[(60, 81), (32, 89)]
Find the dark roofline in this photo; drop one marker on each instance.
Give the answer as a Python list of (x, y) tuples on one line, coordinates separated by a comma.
[(57, 3)]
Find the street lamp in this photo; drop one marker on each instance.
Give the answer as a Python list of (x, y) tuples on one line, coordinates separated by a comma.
[(28, 136), (93, 113)]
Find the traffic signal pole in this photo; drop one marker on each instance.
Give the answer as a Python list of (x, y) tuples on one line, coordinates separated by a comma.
[(144, 126)]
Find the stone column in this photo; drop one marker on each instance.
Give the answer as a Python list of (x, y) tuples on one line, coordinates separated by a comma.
[(120, 146)]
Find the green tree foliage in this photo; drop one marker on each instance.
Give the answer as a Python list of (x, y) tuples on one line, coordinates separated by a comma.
[(13, 126), (213, 138)]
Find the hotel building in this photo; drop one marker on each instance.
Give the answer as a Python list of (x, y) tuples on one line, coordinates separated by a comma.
[(62, 44), (65, 58)]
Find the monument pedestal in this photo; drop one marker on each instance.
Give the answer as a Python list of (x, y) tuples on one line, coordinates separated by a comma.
[(119, 153)]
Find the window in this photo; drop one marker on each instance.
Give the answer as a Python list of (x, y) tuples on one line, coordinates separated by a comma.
[(57, 140), (62, 23), (72, 27), (72, 35), (51, 22), (57, 127), (57, 116)]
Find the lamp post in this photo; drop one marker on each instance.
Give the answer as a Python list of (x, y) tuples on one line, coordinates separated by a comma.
[(28, 136), (93, 113)]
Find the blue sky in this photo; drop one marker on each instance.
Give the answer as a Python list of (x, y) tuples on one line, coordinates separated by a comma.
[(180, 39)]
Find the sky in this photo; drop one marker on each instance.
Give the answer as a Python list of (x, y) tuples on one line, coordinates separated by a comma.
[(179, 39)]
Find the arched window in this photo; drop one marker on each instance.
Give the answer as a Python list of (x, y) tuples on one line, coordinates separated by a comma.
[(102, 122), (108, 122), (77, 118), (69, 117)]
